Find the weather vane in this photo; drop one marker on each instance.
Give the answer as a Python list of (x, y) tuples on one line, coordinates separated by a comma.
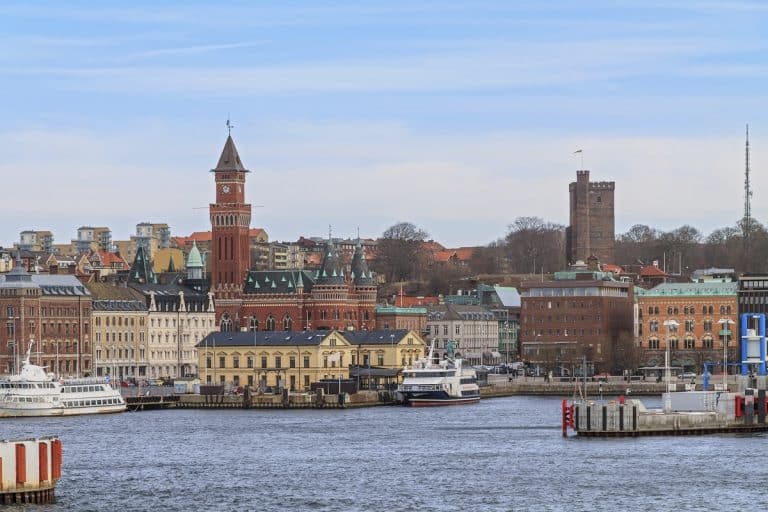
[(229, 126)]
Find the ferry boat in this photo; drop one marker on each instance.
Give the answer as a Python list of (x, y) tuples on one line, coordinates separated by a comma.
[(34, 392), (445, 383)]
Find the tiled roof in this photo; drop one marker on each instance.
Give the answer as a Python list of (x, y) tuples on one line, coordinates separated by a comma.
[(652, 271), (406, 301), (111, 292), (377, 337)]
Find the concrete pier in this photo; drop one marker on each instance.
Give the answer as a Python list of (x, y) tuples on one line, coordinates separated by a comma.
[(29, 470), (689, 413)]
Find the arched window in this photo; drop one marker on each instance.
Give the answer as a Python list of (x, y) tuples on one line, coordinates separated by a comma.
[(226, 323), (254, 326), (270, 323), (287, 323), (656, 310)]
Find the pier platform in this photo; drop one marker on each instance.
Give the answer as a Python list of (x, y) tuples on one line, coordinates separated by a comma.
[(29, 470), (685, 413)]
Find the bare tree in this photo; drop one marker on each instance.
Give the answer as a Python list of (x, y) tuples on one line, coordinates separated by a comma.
[(399, 254), (534, 245)]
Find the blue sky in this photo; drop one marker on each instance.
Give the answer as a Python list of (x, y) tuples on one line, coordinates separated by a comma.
[(457, 116)]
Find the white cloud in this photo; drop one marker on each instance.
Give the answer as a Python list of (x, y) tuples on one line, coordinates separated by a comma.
[(462, 189)]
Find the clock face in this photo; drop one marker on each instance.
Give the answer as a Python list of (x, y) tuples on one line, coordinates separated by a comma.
[(225, 189)]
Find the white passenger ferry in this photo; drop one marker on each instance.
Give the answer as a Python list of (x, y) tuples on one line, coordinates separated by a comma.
[(445, 383), (34, 392)]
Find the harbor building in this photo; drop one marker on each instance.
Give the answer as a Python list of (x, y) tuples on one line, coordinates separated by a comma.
[(582, 313), (295, 360), (692, 320), (592, 223)]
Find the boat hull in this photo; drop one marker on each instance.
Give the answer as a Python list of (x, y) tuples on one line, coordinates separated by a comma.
[(58, 411), (436, 402)]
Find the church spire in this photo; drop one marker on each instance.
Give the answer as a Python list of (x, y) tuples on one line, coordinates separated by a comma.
[(360, 273), (330, 270)]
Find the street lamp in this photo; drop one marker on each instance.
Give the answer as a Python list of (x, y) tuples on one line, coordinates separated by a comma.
[(394, 352), (671, 326), (726, 323)]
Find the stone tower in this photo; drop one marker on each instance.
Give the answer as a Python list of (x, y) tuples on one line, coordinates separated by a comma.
[(591, 230), (230, 223)]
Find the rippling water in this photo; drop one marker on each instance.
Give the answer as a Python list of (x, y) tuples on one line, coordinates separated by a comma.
[(501, 454)]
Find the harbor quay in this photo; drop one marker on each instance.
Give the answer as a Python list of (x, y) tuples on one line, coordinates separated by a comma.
[(496, 386)]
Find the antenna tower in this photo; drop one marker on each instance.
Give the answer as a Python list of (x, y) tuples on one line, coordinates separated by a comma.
[(747, 199)]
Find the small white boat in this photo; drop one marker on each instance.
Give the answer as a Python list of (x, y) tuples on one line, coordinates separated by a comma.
[(34, 392), (448, 382)]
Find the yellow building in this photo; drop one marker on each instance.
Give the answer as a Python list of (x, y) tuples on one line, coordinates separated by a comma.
[(294, 360)]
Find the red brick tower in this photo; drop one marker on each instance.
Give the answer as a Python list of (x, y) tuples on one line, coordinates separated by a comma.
[(230, 222)]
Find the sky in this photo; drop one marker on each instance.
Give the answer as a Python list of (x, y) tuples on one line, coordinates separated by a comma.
[(456, 116)]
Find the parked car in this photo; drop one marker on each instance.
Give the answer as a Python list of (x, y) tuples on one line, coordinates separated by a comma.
[(686, 375)]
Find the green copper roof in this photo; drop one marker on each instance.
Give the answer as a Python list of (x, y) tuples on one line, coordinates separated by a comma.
[(393, 310), (691, 289), (194, 260)]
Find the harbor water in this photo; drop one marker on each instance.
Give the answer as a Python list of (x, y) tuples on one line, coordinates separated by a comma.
[(501, 454)]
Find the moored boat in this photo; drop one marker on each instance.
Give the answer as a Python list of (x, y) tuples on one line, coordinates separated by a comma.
[(35, 392), (448, 382)]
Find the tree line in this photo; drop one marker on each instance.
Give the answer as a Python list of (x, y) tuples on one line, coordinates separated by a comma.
[(533, 245)]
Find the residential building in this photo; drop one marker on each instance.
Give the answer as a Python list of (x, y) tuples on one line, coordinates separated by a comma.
[(689, 318), (474, 328), (37, 241), (180, 313), (92, 238), (119, 321), (591, 229), (581, 313)]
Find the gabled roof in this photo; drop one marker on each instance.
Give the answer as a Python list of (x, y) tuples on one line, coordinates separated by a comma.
[(377, 337), (230, 158)]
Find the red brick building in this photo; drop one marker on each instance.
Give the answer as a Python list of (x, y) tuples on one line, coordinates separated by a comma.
[(579, 314), (52, 310), (279, 300)]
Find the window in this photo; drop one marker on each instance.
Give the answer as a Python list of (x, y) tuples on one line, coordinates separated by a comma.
[(653, 326), (263, 361), (292, 362), (226, 323), (653, 344), (707, 342), (278, 362), (249, 361), (306, 361), (458, 329), (235, 361), (690, 343), (673, 345), (445, 330), (381, 359), (254, 324), (270, 323), (287, 323), (689, 325), (222, 360)]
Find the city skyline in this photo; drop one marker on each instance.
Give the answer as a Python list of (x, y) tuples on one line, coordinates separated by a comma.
[(457, 117)]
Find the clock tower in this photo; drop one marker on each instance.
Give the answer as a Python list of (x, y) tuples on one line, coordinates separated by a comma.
[(230, 225)]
